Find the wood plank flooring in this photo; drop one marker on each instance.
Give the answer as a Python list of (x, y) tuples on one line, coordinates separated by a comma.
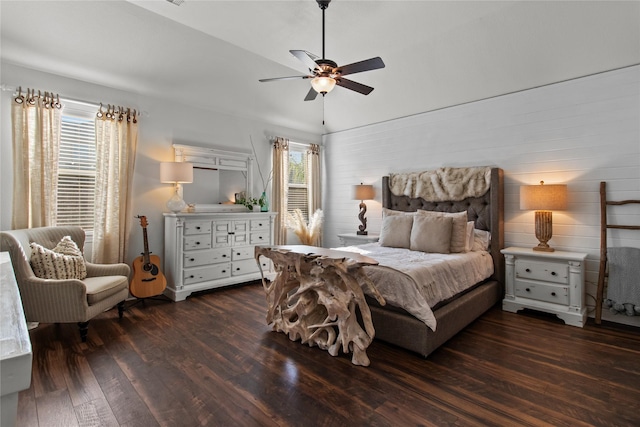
[(212, 361)]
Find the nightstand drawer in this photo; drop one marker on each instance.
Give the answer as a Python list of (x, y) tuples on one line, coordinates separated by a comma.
[(556, 294), (545, 271)]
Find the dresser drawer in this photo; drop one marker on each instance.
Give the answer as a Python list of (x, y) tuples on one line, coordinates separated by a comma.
[(210, 272), (240, 226), (246, 266), (199, 241), (222, 226), (197, 227), (240, 239), (242, 252), (540, 270), (259, 238), (214, 256), (259, 224), (556, 294)]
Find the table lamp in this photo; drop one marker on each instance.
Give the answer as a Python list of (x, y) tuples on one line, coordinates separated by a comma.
[(363, 192), (176, 173), (543, 199)]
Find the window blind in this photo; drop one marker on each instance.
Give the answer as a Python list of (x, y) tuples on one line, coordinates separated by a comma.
[(77, 166), (298, 197)]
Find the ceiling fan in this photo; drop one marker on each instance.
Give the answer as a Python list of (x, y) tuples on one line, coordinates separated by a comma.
[(325, 74)]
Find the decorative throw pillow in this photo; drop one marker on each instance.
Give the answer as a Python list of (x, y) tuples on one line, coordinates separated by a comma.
[(481, 240), (468, 245), (431, 234), (65, 261), (390, 212), (459, 230), (396, 231)]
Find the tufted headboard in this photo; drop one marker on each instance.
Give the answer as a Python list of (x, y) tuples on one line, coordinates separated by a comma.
[(486, 211)]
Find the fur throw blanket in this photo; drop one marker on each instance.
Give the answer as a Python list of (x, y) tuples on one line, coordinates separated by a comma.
[(442, 184)]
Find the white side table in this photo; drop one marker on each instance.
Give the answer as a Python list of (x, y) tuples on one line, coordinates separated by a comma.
[(552, 282), (350, 239)]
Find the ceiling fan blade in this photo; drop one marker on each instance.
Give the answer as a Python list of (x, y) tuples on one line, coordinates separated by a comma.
[(311, 95), (359, 67), (350, 84), (285, 78), (308, 59)]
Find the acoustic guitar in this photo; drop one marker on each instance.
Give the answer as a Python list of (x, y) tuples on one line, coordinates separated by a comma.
[(148, 280)]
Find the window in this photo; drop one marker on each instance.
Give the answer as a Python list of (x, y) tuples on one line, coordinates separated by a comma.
[(298, 197), (77, 165)]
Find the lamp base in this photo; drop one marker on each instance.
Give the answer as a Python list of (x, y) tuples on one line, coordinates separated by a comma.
[(175, 203), (362, 233), (542, 248)]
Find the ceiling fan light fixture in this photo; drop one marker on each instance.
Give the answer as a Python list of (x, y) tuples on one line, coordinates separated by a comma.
[(323, 84)]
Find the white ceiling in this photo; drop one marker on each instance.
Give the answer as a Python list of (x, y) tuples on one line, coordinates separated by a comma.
[(212, 53)]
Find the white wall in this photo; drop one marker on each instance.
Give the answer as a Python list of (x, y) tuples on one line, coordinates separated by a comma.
[(161, 125), (578, 132)]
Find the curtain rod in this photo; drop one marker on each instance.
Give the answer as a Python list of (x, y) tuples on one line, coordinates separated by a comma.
[(272, 139)]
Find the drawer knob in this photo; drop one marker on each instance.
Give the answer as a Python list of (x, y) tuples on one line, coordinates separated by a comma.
[(238, 269), (260, 237), (192, 259), (260, 225), (197, 228), (527, 290), (553, 294), (528, 270), (191, 277), (238, 253), (553, 273), (224, 271), (224, 255), (197, 243)]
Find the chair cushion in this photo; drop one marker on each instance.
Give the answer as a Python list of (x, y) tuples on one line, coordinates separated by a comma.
[(101, 287), (65, 261)]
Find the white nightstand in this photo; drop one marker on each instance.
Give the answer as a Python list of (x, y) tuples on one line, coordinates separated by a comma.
[(552, 282), (350, 239)]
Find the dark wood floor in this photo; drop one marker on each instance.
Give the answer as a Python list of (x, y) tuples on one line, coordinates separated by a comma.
[(211, 360)]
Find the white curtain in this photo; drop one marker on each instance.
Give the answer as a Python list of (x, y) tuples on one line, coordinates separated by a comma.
[(36, 121), (280, 188), (315, 191), (116, 141)]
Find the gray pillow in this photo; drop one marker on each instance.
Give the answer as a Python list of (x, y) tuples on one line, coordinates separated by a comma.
[(396, 231), (459, 230), (431, 234)]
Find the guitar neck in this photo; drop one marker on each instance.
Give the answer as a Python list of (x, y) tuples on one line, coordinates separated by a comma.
[(145, 254)]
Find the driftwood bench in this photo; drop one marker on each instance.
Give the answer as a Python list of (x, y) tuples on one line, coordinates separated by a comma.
[(316, 297)]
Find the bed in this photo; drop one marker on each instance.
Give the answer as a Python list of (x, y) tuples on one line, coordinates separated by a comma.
[(396, 325)]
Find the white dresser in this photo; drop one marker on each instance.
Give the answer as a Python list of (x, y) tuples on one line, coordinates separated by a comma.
[(552, 282), (210, 250)]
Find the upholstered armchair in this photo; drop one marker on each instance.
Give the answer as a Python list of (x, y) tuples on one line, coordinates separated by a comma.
[(64, 300)]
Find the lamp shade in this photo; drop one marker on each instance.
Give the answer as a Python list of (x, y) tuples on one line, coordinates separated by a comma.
[(363, 192), (543, 197), (323, 84), (176, 172)]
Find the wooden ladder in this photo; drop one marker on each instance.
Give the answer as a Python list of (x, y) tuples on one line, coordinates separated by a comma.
[(604, 225)]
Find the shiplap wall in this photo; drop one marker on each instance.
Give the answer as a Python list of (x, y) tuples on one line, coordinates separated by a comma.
[(578, 132)]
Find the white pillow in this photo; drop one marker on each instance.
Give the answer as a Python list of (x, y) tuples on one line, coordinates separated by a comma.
[(468, 246), (459, 230), (431, 234), (396, 231), (481, 240), (65, 261), (390, 212)]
